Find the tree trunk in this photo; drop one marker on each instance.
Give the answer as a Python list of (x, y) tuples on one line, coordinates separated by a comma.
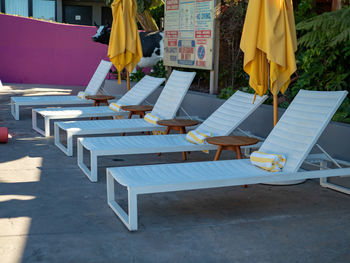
[(146, 21), (336, 4)]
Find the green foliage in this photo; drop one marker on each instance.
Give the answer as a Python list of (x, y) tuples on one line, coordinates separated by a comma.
[(329, 29), (343, 114), (143, 5), (159, 70), (157, 12), (227, 92), (323, 56), (304, 11), (138, 75)]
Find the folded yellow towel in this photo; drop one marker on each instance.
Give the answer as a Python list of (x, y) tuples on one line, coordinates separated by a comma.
[(81, 95), (197, 137), (268, 161), (115, 106), (153, 119)]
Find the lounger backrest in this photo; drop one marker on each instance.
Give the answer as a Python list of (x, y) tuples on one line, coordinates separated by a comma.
[(173, 93), (140, 91), (301, 125), (231, 114), (98, 77)]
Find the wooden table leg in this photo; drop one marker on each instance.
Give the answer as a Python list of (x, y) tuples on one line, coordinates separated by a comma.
[(182, 130), (239, 156), (184, 157), (129, 117), (238, 152), (218, 152), (166, 132)]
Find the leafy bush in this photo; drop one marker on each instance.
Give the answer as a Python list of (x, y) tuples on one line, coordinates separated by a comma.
[(227, 92), (323, 57), (138, 75), (158, 71)]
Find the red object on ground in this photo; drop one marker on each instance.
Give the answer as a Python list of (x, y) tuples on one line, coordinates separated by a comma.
[(4, 134)]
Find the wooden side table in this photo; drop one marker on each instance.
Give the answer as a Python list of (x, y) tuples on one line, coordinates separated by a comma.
[(232, 143), (178, 125), (137, 110), (98, 99)]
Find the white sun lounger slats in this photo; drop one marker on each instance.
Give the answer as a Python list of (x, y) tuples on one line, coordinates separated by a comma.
[(173, 93), (98, 78), (199, 175), (231, 114), (325, 106), (222, 122), (92, 88), (141, 90), (171, 97), (135, 96)]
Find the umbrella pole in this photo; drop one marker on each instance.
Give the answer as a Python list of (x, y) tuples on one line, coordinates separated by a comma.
[(275, 99), (127, 80)]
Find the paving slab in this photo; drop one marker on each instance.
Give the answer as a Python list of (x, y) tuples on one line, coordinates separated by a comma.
[(51, 212)]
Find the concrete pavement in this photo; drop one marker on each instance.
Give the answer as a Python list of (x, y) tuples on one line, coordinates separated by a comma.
[(50, 212)]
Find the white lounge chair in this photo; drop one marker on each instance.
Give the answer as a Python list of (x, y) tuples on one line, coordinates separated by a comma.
[(91, 89), (294, 136), (135, 96), (222, 122), (165, 107)]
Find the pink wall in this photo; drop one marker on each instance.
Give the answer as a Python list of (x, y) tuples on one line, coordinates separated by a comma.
[(38, 52)]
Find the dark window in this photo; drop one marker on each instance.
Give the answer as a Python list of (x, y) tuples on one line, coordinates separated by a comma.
[(2, 6), (79, 15), (106, 17)]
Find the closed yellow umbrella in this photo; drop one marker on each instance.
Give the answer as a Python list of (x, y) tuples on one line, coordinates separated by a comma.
[(269, 43), (124, 48)]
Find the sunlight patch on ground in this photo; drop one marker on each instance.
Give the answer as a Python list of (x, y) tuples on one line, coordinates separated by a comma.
[(13, 228), (22, 170), (5, 198), (33, 90)]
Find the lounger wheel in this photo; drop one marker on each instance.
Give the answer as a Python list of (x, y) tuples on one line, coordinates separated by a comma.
[(4, 134)]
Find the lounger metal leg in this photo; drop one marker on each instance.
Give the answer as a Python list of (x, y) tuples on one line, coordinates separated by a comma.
[(47, 126), (68, 151), (93, 167), (132, 206), (15, 110), (35, 124), (324, 181), (81, 164), (69, 144), (130, 221)]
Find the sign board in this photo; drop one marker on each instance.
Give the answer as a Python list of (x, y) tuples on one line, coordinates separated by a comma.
[(189, 33)]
